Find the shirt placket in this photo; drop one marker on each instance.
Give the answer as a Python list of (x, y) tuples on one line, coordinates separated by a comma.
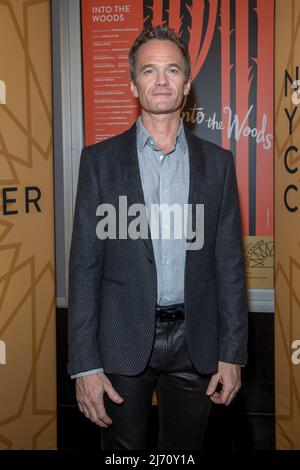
[(165, 198)]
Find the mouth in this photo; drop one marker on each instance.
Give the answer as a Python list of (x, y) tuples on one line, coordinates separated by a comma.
[(162, 94)]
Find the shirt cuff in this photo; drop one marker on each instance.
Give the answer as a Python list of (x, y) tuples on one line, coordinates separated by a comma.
[(87, 372)]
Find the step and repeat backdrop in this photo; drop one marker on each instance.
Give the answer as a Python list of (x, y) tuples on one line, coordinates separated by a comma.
[(27, 288)]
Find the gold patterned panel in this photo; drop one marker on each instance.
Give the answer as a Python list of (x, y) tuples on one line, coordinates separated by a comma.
[(287, 225), (259, 261), (27, 284)]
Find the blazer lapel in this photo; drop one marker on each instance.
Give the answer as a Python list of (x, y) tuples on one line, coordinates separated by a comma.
[(131, 172), (128, 158), (197, 172)]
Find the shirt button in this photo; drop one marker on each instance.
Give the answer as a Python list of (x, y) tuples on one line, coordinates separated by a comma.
[(161, 157)]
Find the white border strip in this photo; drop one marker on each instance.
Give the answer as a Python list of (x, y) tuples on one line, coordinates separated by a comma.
[(261, 300), (61, 302), (72, 119)]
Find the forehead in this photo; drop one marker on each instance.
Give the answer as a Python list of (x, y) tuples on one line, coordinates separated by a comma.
[(159, 51)]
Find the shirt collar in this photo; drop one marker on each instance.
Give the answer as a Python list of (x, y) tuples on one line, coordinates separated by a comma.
[(143, 136)]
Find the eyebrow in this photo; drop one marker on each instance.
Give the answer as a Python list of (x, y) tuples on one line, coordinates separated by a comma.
[(154, 65)]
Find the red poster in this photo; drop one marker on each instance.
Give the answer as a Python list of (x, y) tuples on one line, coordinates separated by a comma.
[(109, 27), (231, 44)]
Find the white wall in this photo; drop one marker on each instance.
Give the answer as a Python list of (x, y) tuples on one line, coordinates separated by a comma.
[(68, 128)]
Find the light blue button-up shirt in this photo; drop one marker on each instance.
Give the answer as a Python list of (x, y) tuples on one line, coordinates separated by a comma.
[(165, 180)]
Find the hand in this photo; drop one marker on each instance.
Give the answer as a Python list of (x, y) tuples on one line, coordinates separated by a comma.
[(90, 390), (229, 375)]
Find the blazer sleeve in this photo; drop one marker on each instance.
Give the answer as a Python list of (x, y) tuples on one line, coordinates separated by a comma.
[(86, 258), (230, 275)]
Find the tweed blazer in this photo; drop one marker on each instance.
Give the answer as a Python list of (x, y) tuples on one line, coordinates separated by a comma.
[(113, 284)]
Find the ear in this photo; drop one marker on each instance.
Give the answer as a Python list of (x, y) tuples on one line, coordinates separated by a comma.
[(134, 89), (187, 87)]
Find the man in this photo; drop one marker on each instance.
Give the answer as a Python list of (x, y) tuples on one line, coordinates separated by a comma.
[(157, 313)]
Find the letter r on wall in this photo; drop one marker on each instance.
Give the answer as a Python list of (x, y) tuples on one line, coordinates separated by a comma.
[(2, 92)]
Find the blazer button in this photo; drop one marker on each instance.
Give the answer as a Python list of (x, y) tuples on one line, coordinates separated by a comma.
[(150, 260)]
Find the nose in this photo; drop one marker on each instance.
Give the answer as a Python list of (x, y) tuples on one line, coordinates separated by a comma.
[(161, 78)]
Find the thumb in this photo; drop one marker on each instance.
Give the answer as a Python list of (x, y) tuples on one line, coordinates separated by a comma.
[(113, 394), (212, 385)]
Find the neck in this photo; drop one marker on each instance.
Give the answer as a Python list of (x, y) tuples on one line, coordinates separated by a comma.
[(162, 127)]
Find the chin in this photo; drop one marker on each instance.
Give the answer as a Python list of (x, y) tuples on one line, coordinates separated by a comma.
[(163, 108), (164, 111)]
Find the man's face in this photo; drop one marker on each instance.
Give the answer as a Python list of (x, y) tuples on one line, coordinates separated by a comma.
[(160, 78)]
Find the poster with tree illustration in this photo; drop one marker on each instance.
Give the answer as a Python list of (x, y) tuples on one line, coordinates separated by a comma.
[(231, 44)]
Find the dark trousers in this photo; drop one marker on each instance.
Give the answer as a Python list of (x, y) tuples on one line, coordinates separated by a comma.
[(183, 407)]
